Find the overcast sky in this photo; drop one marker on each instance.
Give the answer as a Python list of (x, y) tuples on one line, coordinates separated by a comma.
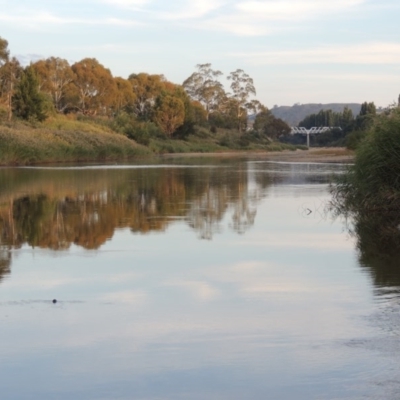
[(296, 51)]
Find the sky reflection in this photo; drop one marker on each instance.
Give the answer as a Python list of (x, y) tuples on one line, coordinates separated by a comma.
[(271, 312)]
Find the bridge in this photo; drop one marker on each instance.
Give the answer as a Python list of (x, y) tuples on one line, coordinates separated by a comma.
[(300, 130)]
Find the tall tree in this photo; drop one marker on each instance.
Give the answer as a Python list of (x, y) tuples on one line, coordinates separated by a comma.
[(242, 86), (9, 74), (266, 124), (28, 102), (347, 119), (146, 88), (204, 87), (54, 75), (365, 119), (4, 52), (169, 113), (124, 94), (95, 85)]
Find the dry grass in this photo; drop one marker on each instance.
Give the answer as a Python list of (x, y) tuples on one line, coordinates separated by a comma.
[(63, 140)]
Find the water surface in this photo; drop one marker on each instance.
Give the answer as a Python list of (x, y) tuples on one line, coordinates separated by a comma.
[(189, 279)]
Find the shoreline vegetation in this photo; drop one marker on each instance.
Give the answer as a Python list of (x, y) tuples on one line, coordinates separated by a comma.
[(368, 195), (65, 140), (62, 138)]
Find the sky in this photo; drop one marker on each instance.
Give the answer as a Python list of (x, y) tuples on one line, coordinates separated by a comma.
[(310, 51)]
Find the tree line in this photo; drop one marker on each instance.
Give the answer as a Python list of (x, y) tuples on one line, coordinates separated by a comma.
[(346, 129), (141, 102), (344, 120)]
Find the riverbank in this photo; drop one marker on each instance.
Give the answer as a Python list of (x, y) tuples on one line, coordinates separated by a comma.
[(25, 145), (64, 140), (316, 154)]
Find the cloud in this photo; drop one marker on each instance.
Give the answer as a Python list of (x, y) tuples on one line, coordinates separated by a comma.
[(293, 9), (200, 290), (26, 59), (366, 53), (242, 18), (259, 18), (127, 3), (190, 10), (43, 18), (130, 297), (316, 242)]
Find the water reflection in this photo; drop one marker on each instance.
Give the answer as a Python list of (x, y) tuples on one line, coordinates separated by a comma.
[(254, 313), (5, 261), (56, 208), (379, 245)]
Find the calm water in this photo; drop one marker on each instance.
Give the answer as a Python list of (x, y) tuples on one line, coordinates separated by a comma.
[(192, 279)]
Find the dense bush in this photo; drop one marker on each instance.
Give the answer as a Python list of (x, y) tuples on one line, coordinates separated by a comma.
[(372, 184)]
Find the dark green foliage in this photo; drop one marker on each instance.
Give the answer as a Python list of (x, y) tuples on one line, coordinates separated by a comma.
[(365, 119), (28, 102), (372, 184), (192, 116), (265, 124), (353, 139), (332, 138), (344, 120), (223, 121), (378, 241), (276, 128), (139, 131)]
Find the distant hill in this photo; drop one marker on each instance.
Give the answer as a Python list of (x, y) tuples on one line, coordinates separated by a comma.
[(296, 113)]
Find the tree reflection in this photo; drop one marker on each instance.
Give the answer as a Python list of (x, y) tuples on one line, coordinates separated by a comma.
[(5, 261), (379, 245), (206, 212), (84, 208)]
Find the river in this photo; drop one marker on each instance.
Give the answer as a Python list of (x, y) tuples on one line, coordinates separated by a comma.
[(189, 279)]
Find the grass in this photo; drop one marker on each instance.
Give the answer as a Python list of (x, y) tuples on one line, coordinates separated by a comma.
[(63, 140)]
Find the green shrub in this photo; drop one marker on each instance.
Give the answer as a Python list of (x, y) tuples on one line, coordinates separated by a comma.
[(372, 184), (353, 139)]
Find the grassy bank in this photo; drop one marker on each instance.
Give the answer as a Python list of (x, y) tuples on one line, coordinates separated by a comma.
[(63, 141), (68, 139)]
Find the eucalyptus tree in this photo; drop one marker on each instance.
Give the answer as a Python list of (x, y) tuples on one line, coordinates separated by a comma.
[(6, 76), (169, 113), (242, 86), (146, 89), (124, 94), (204, 87), (55, 74), (4, 52), (95, 86), (10, 72)]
